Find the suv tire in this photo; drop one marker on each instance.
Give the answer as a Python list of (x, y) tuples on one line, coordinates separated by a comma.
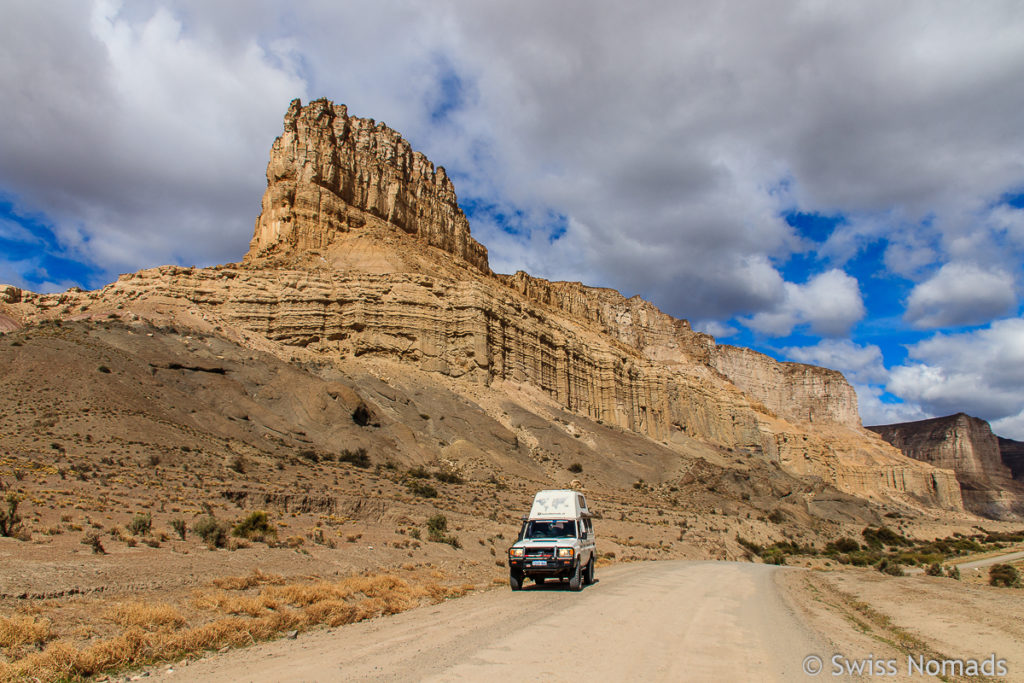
[(515, 581), (576, 581)]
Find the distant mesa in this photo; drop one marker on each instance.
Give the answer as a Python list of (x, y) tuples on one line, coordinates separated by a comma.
[(990, 470)]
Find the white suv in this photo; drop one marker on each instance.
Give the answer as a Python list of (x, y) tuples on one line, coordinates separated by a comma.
[(556, 541)]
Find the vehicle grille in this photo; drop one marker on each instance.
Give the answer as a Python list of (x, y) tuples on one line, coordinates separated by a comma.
[(540, 553)]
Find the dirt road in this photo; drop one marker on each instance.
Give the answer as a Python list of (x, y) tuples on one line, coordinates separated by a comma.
[(657, 621)]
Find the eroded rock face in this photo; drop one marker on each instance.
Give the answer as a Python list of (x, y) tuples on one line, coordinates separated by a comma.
[(329, 170), (804, 393), (967, 446), (1012, 453), (362, 252)]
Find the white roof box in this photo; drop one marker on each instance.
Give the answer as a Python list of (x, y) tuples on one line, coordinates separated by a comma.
[(559, 504)]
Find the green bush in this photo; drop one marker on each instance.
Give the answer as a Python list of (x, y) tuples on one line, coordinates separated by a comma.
[(842, 545), (1003, 575), (213, 531), (418, 488), (419, 472), (358, 457), (448, 477), (774, 556), (575, 468), (10, 520), (934, 569), (141, 524), (437, 525), (890, 567), (179, 527), (254, 527)]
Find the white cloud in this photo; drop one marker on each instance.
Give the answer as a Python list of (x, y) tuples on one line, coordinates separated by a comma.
[(670, 138), (860, 364), (829, 303), (980, 372), (961, 294), (875, 411), (715, 328)]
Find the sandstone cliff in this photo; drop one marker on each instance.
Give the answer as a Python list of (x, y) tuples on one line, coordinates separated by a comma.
[(361, 252), (1012, 453), (967, 446), (329, 170)]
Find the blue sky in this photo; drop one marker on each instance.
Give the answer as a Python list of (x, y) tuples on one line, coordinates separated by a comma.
[(834, 184)]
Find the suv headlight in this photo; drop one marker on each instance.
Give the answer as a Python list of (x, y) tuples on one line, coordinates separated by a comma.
[(566, 552), (515, 552)]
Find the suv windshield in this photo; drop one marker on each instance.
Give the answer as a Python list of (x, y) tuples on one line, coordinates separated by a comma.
[(561, 528)]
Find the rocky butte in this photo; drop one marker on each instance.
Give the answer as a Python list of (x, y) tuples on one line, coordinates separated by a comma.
[(362, 253), (983, 463)]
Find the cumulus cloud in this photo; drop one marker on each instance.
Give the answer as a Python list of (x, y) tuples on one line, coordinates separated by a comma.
[(140, 143), (875, 410), (961, 294), (829, 303), (670, 150), (861, 365), (980, 372)]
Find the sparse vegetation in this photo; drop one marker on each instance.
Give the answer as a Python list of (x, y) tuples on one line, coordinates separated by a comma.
[(255, 527), (10, 520), (575, 468), (179, 527), (93, 541), (358, 457), (1004, 575), (141, 524), (449, 477), (437, 527), (421, 489), (213, 531)]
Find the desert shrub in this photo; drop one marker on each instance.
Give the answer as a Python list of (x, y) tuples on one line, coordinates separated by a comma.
[(104, 369), (310, 455), (213, 531), (437, 525), (141, 524), (842, 545), (575, 468), (93, 541), (10, 520), (449, 477), (255, 527), (876, 537), (237, 464), (953, 572), (418, 472), (776, 516), (179, 527), (774, 556), (358, 457), (1003, 575), (17, 631), (749, 545), (890, 567), (934, 569), (418, 488)]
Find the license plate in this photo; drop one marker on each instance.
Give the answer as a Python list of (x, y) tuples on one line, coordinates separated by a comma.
[(539, 563)]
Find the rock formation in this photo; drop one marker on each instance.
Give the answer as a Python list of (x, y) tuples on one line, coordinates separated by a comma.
[(329, 170), (362, 252), (1012, 453), (967, 446)]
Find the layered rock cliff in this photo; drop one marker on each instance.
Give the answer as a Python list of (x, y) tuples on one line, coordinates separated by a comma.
[(967, 446), (329, 170), (1012, 453), (362, 252)]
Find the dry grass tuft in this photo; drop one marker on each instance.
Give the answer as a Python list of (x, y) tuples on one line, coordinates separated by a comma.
[(158, 633), (241, 583), (18, 631), (145, 615)]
